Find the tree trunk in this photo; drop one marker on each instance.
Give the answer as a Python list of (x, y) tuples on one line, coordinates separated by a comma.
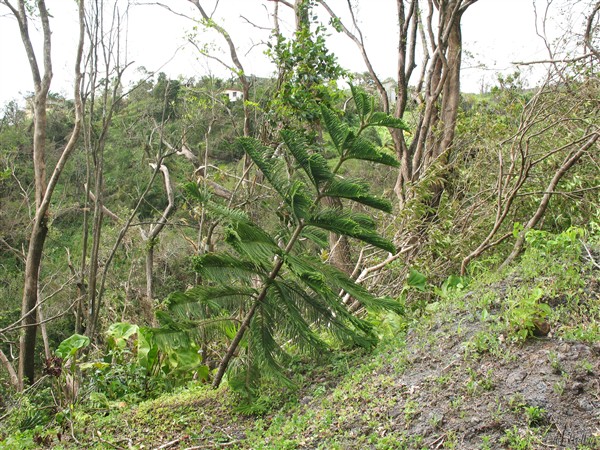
[(147, 306), (43, 188), (29, 332)]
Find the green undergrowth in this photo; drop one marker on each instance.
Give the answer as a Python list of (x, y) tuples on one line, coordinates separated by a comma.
[(366, 400)]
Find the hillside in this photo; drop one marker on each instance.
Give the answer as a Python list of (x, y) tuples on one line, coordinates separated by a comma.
[(312, 257), (483, 366)]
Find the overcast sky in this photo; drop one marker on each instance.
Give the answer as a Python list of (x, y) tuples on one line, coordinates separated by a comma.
[(495, 33)]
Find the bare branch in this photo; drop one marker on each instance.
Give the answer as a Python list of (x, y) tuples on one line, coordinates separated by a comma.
[(168, 8), (588, 30), (590, 256), (254, 25), (12, 374), (13, 326), (359, 41), (284, 2), (553, 61), (18, 253), (107, 212)]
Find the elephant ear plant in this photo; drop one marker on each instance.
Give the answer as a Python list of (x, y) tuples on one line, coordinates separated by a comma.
[(271, 293)]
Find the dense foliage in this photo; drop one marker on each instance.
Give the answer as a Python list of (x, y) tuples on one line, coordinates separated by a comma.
[(194, 238)]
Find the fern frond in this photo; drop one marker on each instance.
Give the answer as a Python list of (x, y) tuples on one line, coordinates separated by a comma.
[(299, 199), (358, 191), (338, 130), (365, 104), (192, 191), (315, 235), (313, 164), (381, 119), (201, 302), (293, 320), (360, 148), (175, 334), (265, 350), (224, 268), (334, 316), (341, 281), (252, 242), (345, 223), (272, 168)]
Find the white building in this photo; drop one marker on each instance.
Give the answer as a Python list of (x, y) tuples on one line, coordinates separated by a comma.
[(233, 94)]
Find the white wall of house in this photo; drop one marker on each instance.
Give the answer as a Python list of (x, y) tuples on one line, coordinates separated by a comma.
[(233, 94)]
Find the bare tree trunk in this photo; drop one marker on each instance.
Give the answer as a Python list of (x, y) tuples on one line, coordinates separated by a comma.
[(148, 303), (43, 329), (239, 68), (438, 88), (43, 188), (104, 62), (151, 237)]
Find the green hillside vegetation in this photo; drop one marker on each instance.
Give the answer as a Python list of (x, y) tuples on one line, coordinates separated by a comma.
[(326, 260), (462, 369)]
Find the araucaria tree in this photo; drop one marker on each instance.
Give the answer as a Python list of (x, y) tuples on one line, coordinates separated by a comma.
[(271, 290)]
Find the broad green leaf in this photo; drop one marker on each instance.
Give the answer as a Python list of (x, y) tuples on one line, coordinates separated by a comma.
[(417, 280), (71, 345), (119, 333), (147, 350)]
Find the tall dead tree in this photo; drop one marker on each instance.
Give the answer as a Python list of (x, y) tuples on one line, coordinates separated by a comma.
[(237, 68), (151, 236), (433, 29), (105, 28), (44, 187)]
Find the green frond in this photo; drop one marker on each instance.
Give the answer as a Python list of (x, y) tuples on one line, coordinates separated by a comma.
[(263, 346), (223, 268), (362, 149), (364, 220), (344, 223), (358, 191), (315, 235), (341, 281), (365, 104), (193, 192), (298, 146), (181, 334), (225, 213), (338, 130), (290, 314), (326, 282), (299, 199), (272, 168), (186, 306), (252, 242), (381, 119), (334, 317), (313, 164), (318, 168), (338, 318), (201, 302)]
